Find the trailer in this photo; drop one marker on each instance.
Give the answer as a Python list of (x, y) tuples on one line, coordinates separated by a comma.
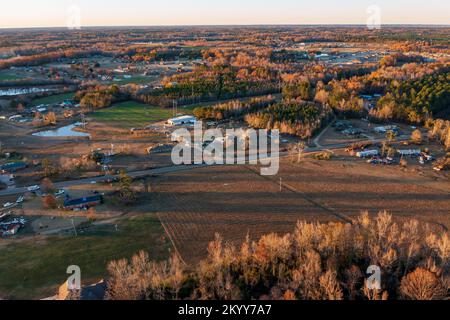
[(409, 152), (368, 153)]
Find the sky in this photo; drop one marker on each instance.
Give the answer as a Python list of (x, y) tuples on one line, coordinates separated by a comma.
[(62, 13)]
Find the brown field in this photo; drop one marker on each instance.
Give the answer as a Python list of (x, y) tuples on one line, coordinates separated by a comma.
[(192, 209)]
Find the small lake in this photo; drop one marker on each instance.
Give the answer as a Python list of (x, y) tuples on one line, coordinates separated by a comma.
[(66, 131), (19, 91)]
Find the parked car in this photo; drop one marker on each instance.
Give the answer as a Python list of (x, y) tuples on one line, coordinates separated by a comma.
[(20, 199), (33, 188), (60, 192), (8, 204)]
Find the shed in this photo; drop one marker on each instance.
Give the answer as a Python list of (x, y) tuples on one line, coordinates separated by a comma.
[(182, 120)]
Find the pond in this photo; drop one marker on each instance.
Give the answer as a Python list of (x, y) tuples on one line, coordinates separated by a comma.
[(19, 91), (66, 131)]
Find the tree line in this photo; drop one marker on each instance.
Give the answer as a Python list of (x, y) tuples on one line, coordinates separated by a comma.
[(233, 109), (315, 262)]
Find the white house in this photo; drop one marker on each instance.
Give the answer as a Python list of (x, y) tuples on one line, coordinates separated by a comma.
[(385, 129), (181, 120), (410, 152), (368, 153)]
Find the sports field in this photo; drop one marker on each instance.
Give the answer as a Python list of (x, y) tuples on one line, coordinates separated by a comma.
[(131, 114)]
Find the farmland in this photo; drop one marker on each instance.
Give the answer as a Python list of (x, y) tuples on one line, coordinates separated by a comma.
[(236, 201)]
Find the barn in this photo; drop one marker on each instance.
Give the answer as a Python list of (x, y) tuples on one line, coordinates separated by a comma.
[(81, 203), (181, 120)]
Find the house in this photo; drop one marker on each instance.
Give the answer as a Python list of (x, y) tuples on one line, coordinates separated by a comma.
[(13, 166), (182, 120), (96, 291), (12, 227), (67, 104), (10, 230), (15, 117), (385, 129), (42, 108), (82, 203), (410, 152)]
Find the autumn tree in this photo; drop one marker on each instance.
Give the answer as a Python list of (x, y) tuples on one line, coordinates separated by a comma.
[(50, 118), (91, 214), (49, 202), (49, 167), (422, 284), (416, 136), (126, 193), (47, 185)]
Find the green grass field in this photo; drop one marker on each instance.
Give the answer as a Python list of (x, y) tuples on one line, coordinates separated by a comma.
[(6, 76), (31, 269), (58, 98), (131, 114)]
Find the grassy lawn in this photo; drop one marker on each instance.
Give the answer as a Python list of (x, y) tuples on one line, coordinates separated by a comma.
[(131, 114), (138, 79), (58, 98), (9, 76), (32, 269)]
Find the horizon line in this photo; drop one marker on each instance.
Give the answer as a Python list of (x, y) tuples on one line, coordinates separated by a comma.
[(230, 25)]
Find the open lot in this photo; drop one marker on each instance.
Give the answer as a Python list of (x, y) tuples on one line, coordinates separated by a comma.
[(236, 201)]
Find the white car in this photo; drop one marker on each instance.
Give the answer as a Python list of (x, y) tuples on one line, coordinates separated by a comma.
[(59, 193), (20, 199), (33, 188), (8, 204)]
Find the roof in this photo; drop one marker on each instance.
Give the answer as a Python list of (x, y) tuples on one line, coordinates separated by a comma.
[(94, 292), (12, 165), (76, 202), (182, 118)]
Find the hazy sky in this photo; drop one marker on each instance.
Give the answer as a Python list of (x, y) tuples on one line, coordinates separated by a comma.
[(45, 13)]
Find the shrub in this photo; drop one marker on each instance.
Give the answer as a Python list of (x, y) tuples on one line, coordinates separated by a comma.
[(422, 284), (49, 202)]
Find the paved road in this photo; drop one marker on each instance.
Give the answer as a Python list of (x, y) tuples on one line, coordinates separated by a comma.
[(94, 180), (171, 169)]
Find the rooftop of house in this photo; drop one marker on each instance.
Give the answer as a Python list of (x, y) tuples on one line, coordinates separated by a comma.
[(75, 202)]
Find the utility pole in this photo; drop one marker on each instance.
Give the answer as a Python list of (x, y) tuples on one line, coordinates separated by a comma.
[(173, 108), (83, 121), (301, 147), (281, 184), (74, 229)]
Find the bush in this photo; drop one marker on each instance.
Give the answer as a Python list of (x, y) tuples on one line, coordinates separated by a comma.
[(422, 284), (323, 156), (416, 136)]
